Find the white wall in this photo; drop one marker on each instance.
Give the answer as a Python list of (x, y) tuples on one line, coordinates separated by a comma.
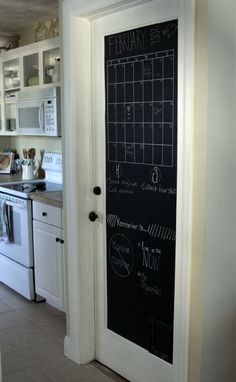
[(4, 143), (39, 143), (219, 317)]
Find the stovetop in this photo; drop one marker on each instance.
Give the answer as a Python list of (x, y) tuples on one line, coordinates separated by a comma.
[(52, 165), (24, 189)]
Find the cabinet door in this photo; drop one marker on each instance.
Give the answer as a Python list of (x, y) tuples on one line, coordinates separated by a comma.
[(11, 85), (48, 255), (31, 69), (51, 66)]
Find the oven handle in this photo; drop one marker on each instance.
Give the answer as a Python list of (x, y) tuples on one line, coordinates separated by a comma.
[(16, 205)]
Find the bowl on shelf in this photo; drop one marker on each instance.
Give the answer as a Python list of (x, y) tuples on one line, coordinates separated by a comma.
[(33, 81)]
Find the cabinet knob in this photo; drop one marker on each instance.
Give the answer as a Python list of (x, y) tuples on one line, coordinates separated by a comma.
[(97, 190), (62, 241), (58, 239), (93, 216), (44, 213)]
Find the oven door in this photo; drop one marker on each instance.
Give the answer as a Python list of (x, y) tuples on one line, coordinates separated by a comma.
[(21, 249)]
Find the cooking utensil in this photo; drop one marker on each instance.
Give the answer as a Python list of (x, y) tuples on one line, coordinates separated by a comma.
[(31, 153), (25, 153), (41, 172), (41, 155)]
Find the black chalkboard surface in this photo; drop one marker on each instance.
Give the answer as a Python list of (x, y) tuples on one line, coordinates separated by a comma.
[(141, 164)]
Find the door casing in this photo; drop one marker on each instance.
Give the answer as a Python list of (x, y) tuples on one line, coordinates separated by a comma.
[(79, 200)]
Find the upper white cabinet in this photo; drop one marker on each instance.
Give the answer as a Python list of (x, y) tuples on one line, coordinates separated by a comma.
[(37, 64), (11, 74), (11, 84)]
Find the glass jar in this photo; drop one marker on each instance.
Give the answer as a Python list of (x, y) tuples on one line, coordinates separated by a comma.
[(41, 32), (54, 28)]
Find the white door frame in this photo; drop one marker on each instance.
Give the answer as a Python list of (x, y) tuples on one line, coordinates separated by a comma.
[(78, 200)]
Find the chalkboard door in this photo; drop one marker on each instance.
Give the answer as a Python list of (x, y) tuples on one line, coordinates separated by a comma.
[(135, 118)]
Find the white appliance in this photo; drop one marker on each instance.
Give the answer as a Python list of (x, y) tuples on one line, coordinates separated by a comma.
[(17, 257), (38, 112)]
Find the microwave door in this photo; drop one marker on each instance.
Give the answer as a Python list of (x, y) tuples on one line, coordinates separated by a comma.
[(29, 117)]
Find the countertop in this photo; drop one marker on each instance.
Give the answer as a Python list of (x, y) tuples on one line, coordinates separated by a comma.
[(53, 198), (10, 178)]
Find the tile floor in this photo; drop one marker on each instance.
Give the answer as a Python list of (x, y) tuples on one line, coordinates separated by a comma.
[(31, 340)]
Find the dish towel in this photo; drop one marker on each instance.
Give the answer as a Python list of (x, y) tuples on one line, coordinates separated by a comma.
[(6, 228)]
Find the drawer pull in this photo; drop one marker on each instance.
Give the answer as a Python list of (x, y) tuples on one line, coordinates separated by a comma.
[(58, 239), (44, 213)]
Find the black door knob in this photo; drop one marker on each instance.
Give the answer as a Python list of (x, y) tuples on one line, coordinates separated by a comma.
[(93, 216), (97, 190)]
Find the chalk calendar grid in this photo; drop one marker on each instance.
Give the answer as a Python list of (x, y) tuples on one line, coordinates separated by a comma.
[(140, 109)]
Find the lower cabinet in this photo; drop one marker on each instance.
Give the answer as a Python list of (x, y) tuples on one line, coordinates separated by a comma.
[(48, 253)]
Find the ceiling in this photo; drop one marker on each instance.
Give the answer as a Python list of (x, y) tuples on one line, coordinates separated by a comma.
[(16, 15)]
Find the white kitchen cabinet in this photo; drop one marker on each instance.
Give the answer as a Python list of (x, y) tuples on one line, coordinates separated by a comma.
[(36, 64), (48, 253)]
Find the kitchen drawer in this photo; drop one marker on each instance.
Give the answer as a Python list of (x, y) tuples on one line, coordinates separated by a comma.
[(47, 214)]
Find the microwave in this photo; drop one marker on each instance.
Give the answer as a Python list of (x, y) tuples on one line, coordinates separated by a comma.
[(38, 112)]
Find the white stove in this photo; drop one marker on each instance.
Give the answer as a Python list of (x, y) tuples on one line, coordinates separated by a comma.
[(52, 165), (16, 250), (24, 189)]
